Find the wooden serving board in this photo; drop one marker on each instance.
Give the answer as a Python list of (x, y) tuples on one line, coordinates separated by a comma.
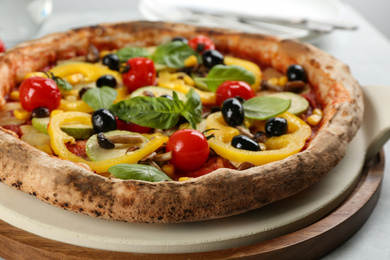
[(310, 242)]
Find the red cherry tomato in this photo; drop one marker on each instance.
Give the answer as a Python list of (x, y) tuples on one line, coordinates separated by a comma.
[(141, 73), (2, 46), (230, 89), (201, 43), (190, 149), (39, 92), (128, 126)]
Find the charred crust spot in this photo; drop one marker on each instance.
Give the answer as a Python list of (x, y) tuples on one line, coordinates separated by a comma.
[(47, 198), (55, 195), (34, 193), (81, 209), (100, 206), (160, 218), (17, 184), (97, 213), (66, 204)]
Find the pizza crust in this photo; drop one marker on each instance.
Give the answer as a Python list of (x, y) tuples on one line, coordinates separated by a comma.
[(222, 193)]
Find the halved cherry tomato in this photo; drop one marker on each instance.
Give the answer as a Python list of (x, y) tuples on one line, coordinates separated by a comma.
[(39, 92), (201, 43), (140, 74), (2, 46), (128, 126), (190, 149), (231, 89)]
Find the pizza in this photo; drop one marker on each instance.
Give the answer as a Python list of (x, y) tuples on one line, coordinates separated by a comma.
[(157, 122)]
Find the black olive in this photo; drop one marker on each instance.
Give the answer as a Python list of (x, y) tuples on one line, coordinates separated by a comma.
[(180, 39), (103, 121), (106, 80), (40, 112), (276, 126), (243, 142), (233, 112), (167, 96), (104, 142), (211, 58), (112, 61), (296, 72)]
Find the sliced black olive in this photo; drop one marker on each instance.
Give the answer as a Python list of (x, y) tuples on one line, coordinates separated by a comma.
[(233, 112), (180, 39), (276, 126), (104, 142), (296, 72), (82, 91), (103, 121), (243, 142), (211, 58), (40, 112), (112, 61), (106, 80)]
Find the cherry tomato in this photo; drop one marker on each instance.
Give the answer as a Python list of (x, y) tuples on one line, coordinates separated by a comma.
[(2, 46), (141, 73), (128, 126), (190, 149), (231, 89), (201, 43), (39, 92)]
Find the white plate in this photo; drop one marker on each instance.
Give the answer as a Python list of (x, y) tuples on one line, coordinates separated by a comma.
[(320, 10)]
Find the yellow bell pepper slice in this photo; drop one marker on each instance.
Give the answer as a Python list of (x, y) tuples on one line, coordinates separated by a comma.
[(58, 140), (252, 67), (90, 71), (222, 131), (278, 147), (169, 80)]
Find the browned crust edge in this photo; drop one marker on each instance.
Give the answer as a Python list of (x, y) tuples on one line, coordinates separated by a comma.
[(222, 193)]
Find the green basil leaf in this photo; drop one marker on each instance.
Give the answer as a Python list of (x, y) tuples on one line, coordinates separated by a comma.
[(62, 84), (193, 108), (262, 108), (221, 73), (173, 54), (155, 112), (100, 97), (138, 172), (131, 52)]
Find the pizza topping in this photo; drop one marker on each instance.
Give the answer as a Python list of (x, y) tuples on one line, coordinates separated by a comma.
[(104, 142), (103, 121), (138, 172), (296, 72), (40, 112), (106, 80), (231, 89), (211, 58), (111, 61), (37, 92), (141, 73), (298, 105), (233, 112), (173, 54), (276, 126), (201, 43), (245, 143)]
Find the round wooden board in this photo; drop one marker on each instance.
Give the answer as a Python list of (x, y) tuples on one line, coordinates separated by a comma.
[(311, 242)]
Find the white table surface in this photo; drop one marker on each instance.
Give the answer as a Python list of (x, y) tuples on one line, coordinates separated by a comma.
[(366, 51)]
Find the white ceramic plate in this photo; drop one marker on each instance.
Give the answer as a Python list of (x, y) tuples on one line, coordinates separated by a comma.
[(321, 10)]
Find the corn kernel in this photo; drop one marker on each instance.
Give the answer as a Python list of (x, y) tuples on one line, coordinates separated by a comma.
[(45, 148), (71, 98), (273, 81), (263, 147), (185, 178), (282, 81), (188, 80), (168, 169), (22, 114), (75, 78), (14, 95), (55, 112), (314, 119), (191, 61), (318, 111)]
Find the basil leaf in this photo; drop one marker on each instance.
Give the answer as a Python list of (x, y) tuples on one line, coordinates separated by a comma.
[(100, 97), (62, 84), (131, 52), (155, 112), (173, 54), (221, 73), (193, 108), (262, 108), (138, 172)]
